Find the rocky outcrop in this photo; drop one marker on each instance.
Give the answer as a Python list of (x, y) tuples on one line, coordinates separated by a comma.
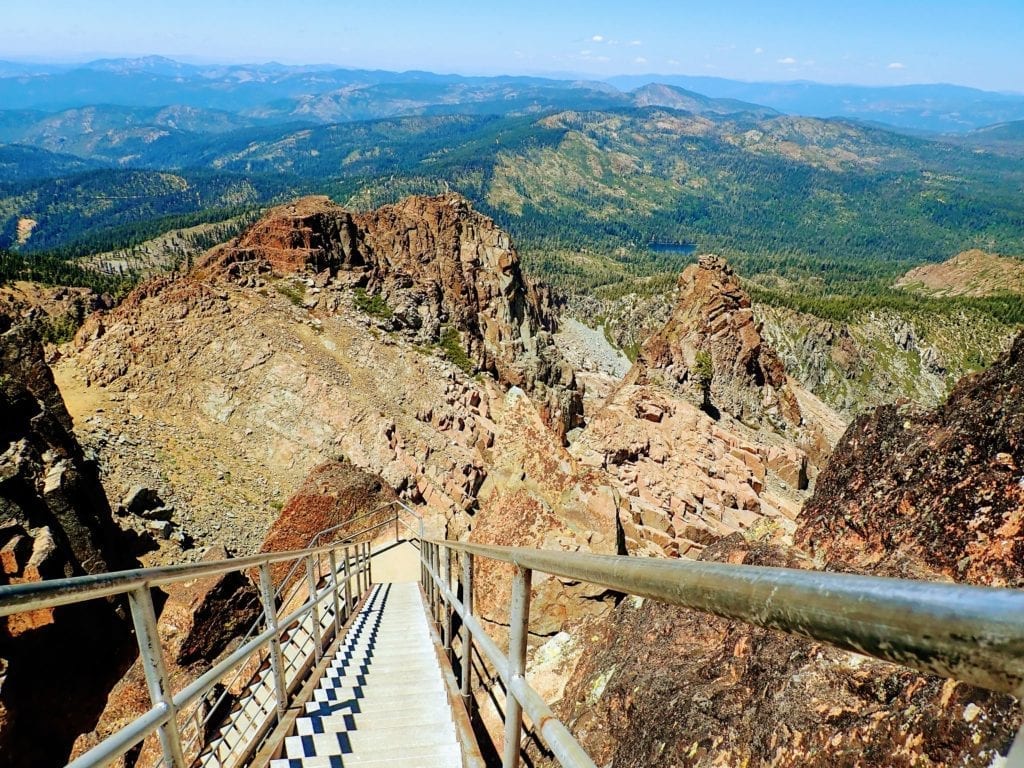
[(706, 436), (685, 478), (538, 495), (937, 492), (925, 494), (331, 495), (711, 343), (199, 622), (54, 522), (436, 264)]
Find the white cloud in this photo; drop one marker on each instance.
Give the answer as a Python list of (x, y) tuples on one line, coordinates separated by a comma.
[(897, 65), (636, 42), (787, 60), (758, 51), (639, 60), (598, 38)]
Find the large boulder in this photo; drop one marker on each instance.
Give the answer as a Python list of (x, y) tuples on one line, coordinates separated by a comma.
[(331, 496)]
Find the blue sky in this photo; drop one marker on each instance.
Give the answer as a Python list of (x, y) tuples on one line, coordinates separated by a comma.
[(855, 41)]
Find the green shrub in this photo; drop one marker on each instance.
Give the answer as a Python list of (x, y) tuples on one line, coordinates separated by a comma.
[(291, 292), (451, 345), (372, 305)]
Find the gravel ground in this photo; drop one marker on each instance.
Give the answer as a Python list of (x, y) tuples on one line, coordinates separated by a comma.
[(587, 349)]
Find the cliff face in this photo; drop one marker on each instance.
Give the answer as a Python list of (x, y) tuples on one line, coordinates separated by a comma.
[(938, 492), (54, 522), (437, 264), (926, 494)]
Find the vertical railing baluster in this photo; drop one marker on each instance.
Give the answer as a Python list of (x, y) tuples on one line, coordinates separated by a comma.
[(348, 583), (315, 614), (369, 565), (467, 640), (519, 624), (446, 614), (332, 559), (276, 656), (151, 654)]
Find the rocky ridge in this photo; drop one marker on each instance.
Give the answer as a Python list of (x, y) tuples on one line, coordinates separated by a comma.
[(436, 264), (970, 273)]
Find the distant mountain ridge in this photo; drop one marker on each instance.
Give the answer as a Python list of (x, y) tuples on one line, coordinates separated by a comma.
[(938, 108), (277, 91)]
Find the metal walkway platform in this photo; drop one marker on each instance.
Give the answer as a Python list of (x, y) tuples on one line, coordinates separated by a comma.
[(382, 701)]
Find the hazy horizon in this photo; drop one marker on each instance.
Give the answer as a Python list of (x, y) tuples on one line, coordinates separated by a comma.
[(872, 44)]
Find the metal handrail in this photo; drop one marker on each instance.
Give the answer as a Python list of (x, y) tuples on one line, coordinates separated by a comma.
[(968, 633), (297, 584), (137, 583)]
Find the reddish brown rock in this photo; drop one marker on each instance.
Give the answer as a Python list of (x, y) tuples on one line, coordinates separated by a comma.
[(712, 318), (665, 686), (437, 264), (331, 495), (939, 492)]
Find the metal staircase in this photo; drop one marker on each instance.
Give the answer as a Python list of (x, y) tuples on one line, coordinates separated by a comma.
[(341, 671), (382, 701)]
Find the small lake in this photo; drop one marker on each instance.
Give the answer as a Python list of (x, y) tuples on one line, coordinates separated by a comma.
[(683, 248)]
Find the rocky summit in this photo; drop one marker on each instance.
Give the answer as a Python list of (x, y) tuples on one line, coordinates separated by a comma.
[(437, 266), (326, 362), (712, 343)]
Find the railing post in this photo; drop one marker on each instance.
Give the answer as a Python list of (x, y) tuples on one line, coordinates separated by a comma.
[(276, 657), (519, 623), (144, 619), (333, 560), (315, 614), (446, 614), (366, 566), (467, 639), (369, 564), (434, 612), (348, 582)]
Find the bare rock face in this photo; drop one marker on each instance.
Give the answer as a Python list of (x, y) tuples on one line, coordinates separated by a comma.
[(937, 492), (55, 522), (538, 495), (666, 686), (199, 622), (687, 479), (438, 265), (712, 339)]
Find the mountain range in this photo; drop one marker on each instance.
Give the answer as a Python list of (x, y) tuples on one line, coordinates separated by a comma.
[(328, 93)]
